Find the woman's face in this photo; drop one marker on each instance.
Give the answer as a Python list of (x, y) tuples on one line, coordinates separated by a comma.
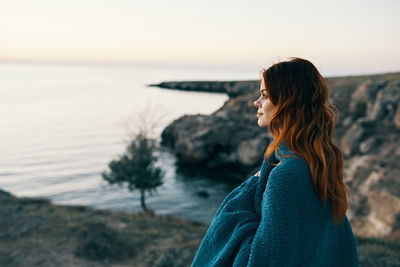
[(264, 106)]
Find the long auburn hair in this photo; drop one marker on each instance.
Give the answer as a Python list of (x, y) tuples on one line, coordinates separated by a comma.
[(303, 118)]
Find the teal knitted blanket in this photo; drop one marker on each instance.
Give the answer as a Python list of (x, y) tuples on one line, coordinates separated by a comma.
[(276, 219)]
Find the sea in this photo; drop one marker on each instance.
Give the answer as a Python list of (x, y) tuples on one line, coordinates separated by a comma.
[(61, 124)]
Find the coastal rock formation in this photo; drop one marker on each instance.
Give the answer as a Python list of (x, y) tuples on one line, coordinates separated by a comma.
[(367, 130), (231, 88), (371, 147), (228, 138)]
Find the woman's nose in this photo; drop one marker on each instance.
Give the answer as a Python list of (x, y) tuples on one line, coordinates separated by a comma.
[(256, 103)]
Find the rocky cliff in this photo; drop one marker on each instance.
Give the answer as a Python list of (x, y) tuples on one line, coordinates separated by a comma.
[(367, 131), (231, 88)]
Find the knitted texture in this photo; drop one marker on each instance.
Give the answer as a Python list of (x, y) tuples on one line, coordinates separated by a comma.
[(277, 219)]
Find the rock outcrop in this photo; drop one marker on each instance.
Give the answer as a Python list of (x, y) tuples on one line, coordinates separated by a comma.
[(231, 88), (368, 132), (227, 139)]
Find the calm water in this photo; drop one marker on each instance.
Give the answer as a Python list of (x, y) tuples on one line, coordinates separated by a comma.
[(62, 124)]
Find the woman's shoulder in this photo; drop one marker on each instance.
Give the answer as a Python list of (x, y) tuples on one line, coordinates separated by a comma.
[(291, 168), (291, 172)]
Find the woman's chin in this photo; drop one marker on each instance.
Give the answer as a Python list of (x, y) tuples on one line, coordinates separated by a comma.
[(261, 124)]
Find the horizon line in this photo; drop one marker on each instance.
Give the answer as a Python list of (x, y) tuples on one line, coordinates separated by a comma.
[(165, 64)]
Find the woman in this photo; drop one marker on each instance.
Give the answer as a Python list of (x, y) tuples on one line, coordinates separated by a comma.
[(293, 212)]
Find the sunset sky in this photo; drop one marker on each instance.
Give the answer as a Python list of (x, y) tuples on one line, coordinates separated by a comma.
[(341, 37)]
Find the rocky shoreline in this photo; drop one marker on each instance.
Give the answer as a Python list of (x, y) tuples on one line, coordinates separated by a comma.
[(35, 232), (368, 130), (231, 88)]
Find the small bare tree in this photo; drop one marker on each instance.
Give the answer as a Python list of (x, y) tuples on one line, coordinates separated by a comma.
[(136, 166)]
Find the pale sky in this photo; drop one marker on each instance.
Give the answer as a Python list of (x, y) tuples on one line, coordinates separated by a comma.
[(339, 37)]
